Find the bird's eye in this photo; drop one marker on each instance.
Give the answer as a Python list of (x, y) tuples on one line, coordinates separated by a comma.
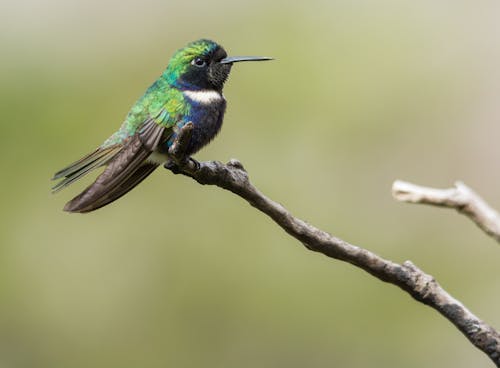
[(199, 62)]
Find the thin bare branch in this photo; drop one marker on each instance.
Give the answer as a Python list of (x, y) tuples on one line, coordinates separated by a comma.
[(461, 197), (421, 286)]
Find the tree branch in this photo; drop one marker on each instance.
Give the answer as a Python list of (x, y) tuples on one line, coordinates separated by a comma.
[(421, 286), (461, 197)]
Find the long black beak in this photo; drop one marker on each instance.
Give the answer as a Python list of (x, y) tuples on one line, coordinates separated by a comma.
[(236, 59)]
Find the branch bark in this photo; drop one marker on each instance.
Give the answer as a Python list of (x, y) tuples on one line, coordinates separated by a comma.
[(461, 197), (421, 286)]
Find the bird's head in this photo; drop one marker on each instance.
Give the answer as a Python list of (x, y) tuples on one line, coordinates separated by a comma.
[(201, 65)]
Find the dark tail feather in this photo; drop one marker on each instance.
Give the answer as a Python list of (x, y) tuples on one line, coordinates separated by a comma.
[(126, 167), (83, 166), (86, 202)]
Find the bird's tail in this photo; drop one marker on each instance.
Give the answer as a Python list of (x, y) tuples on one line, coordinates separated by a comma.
[(127, 164), (97, 196), (83, 166)]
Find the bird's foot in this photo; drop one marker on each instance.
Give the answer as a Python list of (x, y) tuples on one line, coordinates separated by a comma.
[(172, 166), (179, 167), (195, 163)]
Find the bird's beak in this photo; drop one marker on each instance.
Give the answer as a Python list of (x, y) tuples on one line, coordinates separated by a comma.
[(236, 59)]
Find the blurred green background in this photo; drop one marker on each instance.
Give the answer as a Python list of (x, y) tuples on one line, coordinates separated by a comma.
[(180, 275)]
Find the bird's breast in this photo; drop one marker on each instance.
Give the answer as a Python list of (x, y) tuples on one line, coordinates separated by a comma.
[(207, 120), (206, 112)]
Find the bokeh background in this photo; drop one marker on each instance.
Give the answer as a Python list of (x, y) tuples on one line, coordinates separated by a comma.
[(179, 275)]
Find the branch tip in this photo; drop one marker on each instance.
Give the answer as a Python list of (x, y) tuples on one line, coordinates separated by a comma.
[(460, 197)]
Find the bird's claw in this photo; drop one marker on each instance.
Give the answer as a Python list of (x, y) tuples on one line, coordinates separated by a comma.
[(176, 167), (196, 164), (172, 166)]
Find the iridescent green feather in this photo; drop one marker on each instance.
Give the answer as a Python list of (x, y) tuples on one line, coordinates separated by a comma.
[(162, 103)]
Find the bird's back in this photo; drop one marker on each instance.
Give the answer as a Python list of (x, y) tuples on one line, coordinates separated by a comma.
[(160, 102)]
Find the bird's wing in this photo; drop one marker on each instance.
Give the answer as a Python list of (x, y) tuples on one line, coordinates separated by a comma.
[(125, 169), (163, 106)]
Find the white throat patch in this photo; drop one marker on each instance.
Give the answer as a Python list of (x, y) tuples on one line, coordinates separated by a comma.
[(204, 96)]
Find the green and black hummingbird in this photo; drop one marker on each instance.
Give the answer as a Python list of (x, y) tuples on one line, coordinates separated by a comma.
[(189, 90)]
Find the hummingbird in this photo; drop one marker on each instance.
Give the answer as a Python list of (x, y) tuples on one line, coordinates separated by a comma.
[(189, 90)]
